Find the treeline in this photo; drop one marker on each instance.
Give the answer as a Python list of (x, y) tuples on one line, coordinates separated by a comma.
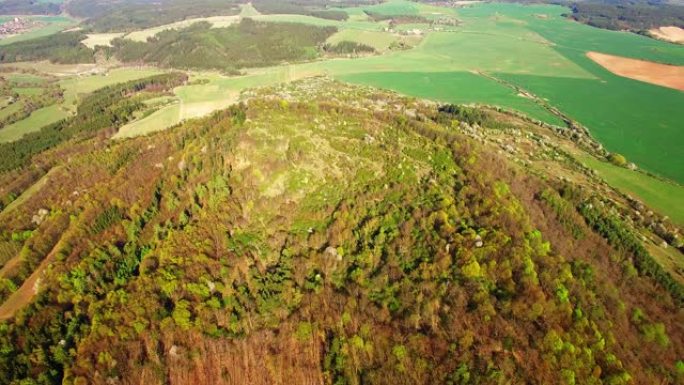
[(130, 15), (637, 16), (246, 44), (29, 7), (105, 108), (63, 48), (294, 8), (396, 18), (449, 113), (621, 237), (348, 47)]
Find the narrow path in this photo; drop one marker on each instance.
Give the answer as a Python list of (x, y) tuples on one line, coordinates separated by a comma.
[(28, 289)]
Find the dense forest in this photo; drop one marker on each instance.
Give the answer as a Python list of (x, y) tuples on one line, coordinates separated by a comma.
[(348, 48), (65, 48), (30, 7), (328, 235), (130, 15), (246, 44), (280, 7), (637, 16)]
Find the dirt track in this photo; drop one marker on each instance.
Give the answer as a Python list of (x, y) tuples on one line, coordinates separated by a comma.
[(655, 73)]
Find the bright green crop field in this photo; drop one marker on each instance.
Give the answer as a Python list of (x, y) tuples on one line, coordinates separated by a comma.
[(536, 48), (451, 87)]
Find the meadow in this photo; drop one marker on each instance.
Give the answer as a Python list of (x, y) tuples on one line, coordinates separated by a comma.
[(33, 123), (665, 197), (73, 87), (52, 24)]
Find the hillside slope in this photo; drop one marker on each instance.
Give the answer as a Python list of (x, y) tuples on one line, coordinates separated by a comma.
[(321, 233)]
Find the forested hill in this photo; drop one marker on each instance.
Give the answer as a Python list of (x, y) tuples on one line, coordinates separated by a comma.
[(30, 7), (248, 43), (319, 233), (633, 16)]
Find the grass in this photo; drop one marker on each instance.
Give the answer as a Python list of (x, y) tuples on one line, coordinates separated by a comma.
[(24, 78), (159, 120), (8, 110), (639, 120), (75, 86), (664, 197), (53, 24), (669, 258), (453, 87), (29, 91), (100, 39), (46, 67), (395, 7), (33, 123), (198, 100)]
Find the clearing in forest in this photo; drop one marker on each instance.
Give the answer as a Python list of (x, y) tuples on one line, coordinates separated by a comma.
[(101, 39), (650, 72)]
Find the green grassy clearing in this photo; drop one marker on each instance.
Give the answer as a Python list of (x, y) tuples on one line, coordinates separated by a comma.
[(665, 197), (74, 86), (196, 100), (159, 120), (29, 91), (24, 78), (100, 39), (8, 110), (33, 123)]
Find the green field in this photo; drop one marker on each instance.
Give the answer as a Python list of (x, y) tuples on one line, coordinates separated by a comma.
[(53, 24), (664, 197), (76, 85), (196, 100), (24, 78), (453, 87), (33, 123), (73, 87), (639, 120)]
